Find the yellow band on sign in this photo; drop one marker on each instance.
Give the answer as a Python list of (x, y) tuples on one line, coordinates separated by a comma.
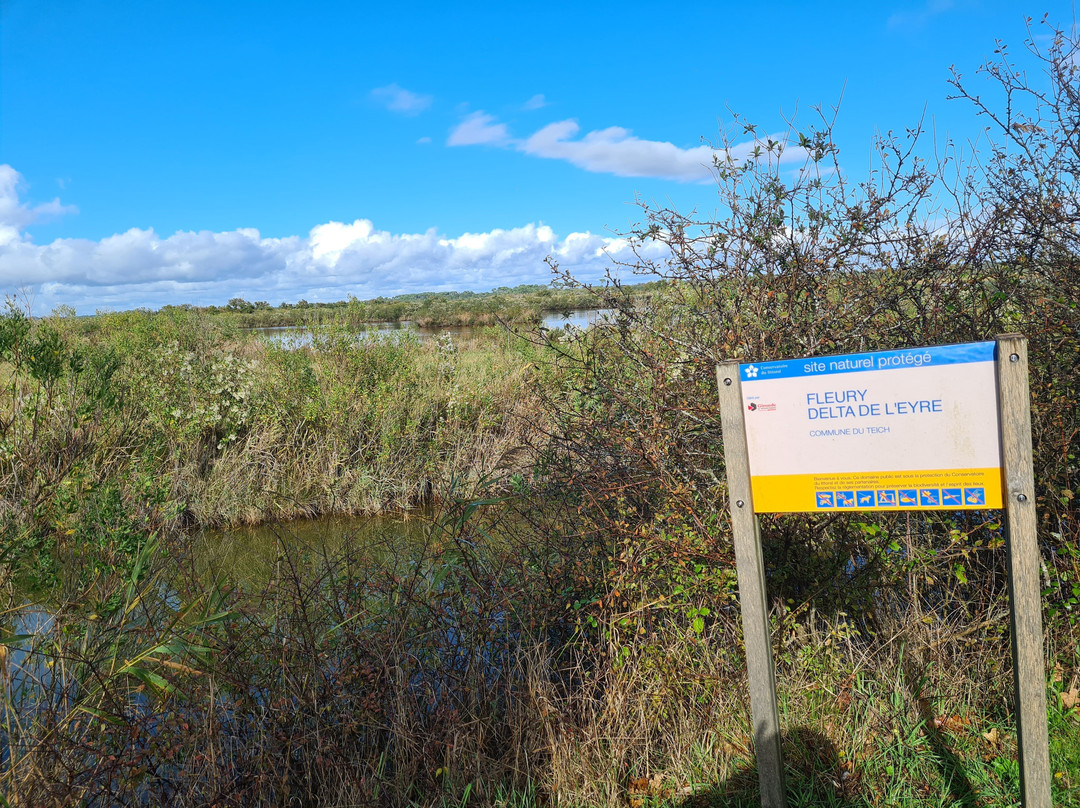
[(940, 490)]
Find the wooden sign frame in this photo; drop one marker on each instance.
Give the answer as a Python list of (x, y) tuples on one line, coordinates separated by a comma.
[(1023, 562)]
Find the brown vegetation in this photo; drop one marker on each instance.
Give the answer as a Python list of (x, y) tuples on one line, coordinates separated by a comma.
[(567, 631)]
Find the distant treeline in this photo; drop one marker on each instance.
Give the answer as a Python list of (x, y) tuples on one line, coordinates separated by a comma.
[(519, 304)]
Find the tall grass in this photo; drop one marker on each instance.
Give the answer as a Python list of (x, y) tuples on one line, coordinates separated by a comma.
[(464, 668), (566, 630), (153, 421), (390, 675)]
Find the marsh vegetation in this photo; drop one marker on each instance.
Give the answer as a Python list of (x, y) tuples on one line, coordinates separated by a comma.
[(559, 622)]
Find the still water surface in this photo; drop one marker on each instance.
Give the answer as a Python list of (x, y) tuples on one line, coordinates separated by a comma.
[(300, 336), (245, 558), (249, 557)]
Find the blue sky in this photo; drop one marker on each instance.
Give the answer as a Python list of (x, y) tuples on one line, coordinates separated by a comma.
[(158, 153)]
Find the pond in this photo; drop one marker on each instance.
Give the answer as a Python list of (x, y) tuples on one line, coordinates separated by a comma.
[(299, 336), (249, 560), (249, 557)]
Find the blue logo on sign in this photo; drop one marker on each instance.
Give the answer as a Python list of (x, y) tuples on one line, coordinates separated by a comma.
[(824, 499), (909, 496), (886, 499), (974, 496), (751, 371), (865, 499), (845, 499), (928, 497)]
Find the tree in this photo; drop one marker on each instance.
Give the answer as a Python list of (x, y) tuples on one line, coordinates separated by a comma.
[(240, 305)]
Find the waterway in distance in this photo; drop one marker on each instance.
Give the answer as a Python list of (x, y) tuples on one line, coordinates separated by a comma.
[(301, 336)]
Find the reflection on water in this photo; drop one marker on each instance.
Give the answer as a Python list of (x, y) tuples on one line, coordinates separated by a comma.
[(249, 557), (577, 319), (291, 337), (30, 620)]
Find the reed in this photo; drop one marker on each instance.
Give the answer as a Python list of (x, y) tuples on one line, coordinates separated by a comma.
[(565, 630)]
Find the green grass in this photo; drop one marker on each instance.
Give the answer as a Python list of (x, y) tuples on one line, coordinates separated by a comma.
[(625, 682)]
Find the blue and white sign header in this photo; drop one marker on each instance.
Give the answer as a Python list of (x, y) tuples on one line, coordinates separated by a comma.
[(935, 356)]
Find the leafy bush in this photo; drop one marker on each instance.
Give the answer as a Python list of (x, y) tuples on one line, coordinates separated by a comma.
[(809, 263)]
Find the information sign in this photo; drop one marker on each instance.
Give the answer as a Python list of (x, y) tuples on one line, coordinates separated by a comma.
[(943, 428), (914, 429)]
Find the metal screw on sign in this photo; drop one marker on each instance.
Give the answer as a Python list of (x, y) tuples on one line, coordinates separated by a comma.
[(1014, 357), (738, 503), (727, 382), (1021, 497)]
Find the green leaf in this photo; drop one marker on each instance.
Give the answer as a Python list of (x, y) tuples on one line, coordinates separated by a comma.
[(154, 681), (212, 619), (11, 639), (107, 717)]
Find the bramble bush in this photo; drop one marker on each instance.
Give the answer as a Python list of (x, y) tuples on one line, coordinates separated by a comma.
[(567, 630), (806, 262)]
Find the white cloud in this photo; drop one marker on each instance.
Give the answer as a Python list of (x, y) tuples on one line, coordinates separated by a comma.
[(536, 102), (423, 141), (335, 259), (141, 256), (15, 216), (479, 129), (397, 99), (614, 150)]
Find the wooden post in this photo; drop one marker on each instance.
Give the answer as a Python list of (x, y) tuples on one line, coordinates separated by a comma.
[(751, 572), (1014, 406)]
